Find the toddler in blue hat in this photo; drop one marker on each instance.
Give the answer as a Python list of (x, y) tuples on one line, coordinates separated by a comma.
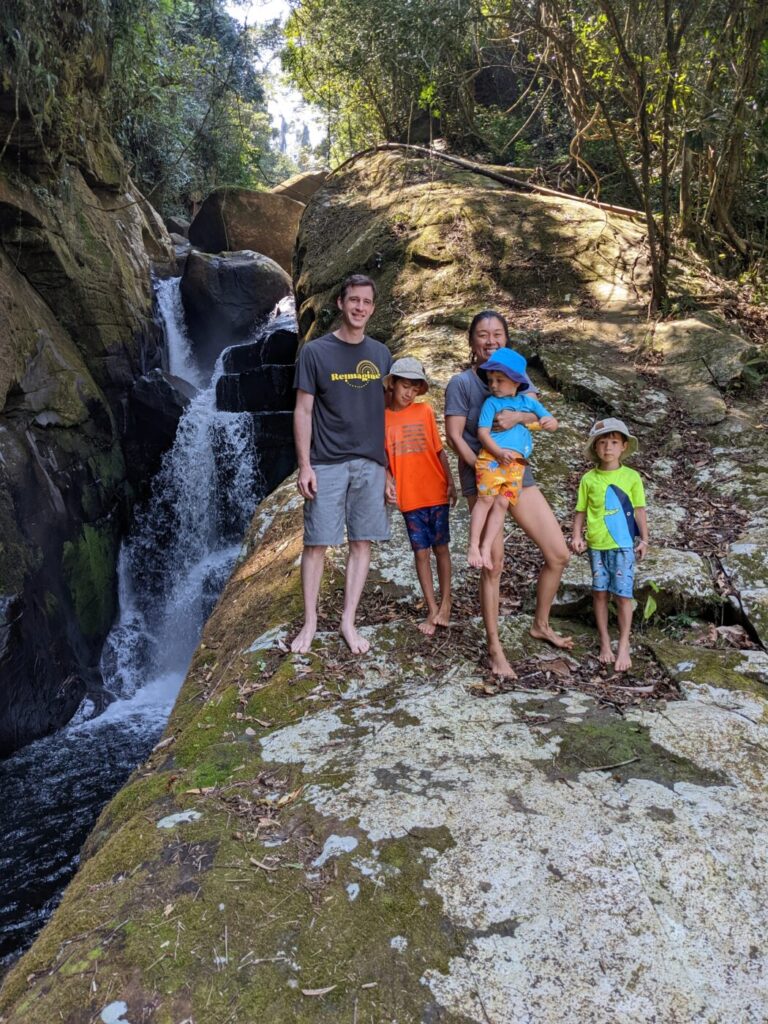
[(502, 461)]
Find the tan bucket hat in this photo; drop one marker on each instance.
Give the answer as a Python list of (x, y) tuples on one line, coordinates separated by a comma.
[(410, 369), (610, 425)]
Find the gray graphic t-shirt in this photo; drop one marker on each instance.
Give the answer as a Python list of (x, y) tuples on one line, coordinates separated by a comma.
[(348, 413)]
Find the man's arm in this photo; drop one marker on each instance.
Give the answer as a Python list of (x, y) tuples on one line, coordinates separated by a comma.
[(302, 438)]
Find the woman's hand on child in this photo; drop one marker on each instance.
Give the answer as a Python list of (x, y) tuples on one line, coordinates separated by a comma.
[(507, 456), (641, 550), (548, 423), (505, 419)]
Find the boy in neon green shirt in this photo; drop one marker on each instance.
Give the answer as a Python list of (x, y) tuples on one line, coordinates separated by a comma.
[(612, 500)]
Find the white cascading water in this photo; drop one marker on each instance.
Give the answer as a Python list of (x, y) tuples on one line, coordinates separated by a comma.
[(181, 362), (179, 552)]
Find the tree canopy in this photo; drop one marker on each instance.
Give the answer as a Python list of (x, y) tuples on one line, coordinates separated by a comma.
[(650, 103)]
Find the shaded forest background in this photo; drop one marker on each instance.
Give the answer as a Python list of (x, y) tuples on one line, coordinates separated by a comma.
[(651, 104)]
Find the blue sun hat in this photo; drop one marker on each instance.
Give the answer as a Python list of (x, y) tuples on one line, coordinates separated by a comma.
[(512, 365)]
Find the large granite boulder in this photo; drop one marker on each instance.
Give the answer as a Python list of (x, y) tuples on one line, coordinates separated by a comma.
[(227, 297), (302, 186), (410, 850), (231, 219)]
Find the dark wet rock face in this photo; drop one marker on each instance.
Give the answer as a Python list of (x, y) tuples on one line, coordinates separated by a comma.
[(258, 378), (231, 219), (265, 388), (155, 405), (227, 297), (76, 307)]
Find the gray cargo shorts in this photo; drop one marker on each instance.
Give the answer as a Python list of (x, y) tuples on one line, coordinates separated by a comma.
[(348, 493)]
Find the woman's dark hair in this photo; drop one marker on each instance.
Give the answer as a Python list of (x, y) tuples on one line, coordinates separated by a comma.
[(357, 281)]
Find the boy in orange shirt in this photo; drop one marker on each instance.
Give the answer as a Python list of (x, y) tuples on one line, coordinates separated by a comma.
[(419, 481)]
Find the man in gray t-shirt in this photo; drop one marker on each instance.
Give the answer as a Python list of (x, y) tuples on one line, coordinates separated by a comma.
[(338, 427)]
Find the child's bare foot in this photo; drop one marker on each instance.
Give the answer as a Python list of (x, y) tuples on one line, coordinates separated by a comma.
[(474, 557), (549, 636), (302, 643), (427, 627), (443, 617), (500, 666), (623, 661), (606, 655), (356, 643), (487, 557)]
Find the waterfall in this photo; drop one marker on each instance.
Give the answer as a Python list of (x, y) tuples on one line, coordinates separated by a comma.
[(182, 544), (173, 564), (181, 362)]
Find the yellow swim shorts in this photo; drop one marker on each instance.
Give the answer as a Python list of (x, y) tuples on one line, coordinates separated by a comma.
[(495, 478)]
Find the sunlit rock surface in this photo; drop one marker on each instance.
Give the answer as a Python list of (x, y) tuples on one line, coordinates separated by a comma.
[(375, 842)]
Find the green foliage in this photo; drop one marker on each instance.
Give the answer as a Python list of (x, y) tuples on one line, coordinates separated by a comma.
[(649, 609), (376, 69), (186, 103), (616, 100), (174, 81)]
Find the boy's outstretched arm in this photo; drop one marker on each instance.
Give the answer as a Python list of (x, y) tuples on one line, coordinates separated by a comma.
[(449, 484), (548, 423), (641, 549), (485, 439), (578, 543)]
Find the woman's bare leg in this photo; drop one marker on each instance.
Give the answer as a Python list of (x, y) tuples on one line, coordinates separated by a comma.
[(534, 516), (490, 580)]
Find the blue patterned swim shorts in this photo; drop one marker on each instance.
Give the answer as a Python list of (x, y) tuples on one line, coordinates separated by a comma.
[(428, 527), (613, 570)]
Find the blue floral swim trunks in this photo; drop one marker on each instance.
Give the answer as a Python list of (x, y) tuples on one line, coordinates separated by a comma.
[(613, 570), (428, 527)]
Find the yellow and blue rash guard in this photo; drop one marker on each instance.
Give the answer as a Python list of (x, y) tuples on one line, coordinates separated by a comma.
[(609, 497)]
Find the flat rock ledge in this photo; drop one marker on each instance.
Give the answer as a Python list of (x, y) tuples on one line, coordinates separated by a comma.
[(326, 838)]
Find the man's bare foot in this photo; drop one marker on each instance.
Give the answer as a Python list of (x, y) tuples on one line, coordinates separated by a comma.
[(302, 643), (606, 655), (356, 643), (443, 617), (427, 627), (500, 666), (623, 661), (549, 636), (474, 557)]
